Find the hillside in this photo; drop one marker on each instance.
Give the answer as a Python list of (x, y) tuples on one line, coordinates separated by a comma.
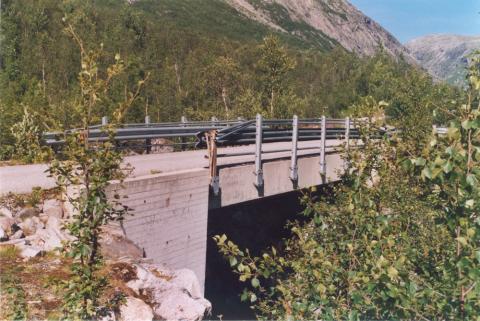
[(324, 21), (444, 56)]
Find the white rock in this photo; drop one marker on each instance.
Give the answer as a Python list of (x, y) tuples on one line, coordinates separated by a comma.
[(135, 310), (6, 224), (30, 226), (3, 235), (28, 252), (27, 212), (53, 208), (187, 280), (17, 235), (5, 212), (175, 295), (177, 305)]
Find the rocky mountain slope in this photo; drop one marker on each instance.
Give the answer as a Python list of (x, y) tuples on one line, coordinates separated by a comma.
[(327, 21), (444, 56)]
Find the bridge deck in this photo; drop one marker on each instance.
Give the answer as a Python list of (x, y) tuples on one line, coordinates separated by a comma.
[(22, 178)]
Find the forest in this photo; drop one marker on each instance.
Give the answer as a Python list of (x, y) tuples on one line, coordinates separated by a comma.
[(195, 67)]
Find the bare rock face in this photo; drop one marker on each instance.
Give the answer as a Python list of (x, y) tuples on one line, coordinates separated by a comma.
[(444, 56), (331, 21), (135, 310)]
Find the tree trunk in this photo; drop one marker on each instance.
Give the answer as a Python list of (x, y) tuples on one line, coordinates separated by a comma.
[(177, 75), (224, 98), (272, 96)]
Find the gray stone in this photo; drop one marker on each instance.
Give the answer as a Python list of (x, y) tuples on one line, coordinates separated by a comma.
[(3, 235), (169, 292), (53, 208), (115, 246), (29, 226), (27, 212), (177, 305), (135, 310), (5, 212), (6, 224), (28, 252), (17, 235)]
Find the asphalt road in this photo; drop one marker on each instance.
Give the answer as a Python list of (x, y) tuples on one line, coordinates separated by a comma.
[(22, 178)]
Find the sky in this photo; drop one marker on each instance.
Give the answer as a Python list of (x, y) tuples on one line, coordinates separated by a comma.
[(408, 19)]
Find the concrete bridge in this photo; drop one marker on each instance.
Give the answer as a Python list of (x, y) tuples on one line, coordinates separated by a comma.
[(171, 193)]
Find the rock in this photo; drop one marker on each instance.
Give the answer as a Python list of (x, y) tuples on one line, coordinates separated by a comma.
[(28, 226), (3, 235), (177, 305), (46, 239), (114, 245), (28, 252), (27, 212), (53, 208), (6, 224), (17, 235), (135, 310), (5, 212), (43, 218), (174, 295), (187, 280)]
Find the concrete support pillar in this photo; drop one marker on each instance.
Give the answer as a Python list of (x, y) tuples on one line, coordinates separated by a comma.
[(170, 215)]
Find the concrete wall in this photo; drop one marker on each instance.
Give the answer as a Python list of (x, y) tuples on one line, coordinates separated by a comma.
[(237, 183), (170, 213)]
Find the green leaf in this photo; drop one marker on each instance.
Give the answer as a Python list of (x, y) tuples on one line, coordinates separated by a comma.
[(472, 180), (255, 283), (233, 261), (392, 272)]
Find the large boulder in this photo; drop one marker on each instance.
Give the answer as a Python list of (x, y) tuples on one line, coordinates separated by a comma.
[(115, 246), (173, 295), (53, 208), (135, 310)]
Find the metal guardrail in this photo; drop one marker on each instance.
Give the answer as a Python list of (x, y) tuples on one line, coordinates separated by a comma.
[(229, 133), (215, 133)]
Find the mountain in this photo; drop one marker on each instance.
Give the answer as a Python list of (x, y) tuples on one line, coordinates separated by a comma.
[(328, 21), (320, 24), (444, 56)]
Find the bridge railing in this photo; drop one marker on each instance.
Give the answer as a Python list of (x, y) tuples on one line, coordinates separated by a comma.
[(192, 133)]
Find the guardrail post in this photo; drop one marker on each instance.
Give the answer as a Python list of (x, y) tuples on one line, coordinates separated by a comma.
[(258, 151), (214, 120), (347, 133), (323, 165), (104, 120), (148, 141), (347, 142), (212, 159), (182, 140), (293, 164)]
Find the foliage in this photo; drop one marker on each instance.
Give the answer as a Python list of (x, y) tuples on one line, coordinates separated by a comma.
[(28, 134), (11, 290), (451, 166), (390, 243), (85, 175), (210, 63), (274, 64)]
